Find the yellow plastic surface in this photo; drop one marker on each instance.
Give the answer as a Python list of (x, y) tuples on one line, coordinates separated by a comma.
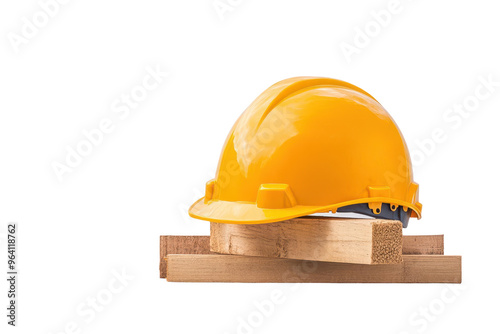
[(309, 145)]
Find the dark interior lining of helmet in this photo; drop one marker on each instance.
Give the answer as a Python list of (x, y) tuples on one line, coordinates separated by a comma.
[(386, 212)]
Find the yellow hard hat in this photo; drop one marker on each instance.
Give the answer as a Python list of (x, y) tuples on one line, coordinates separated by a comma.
[(310, 145)]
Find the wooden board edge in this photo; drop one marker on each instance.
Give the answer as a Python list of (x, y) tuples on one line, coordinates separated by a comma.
[(246, 269), (163, 254), (181, 244), (423, 244)]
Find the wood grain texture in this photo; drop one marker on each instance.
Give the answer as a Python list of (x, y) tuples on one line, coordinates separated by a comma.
[(347, 240), (248, 269), (180, 244), (423, 244)]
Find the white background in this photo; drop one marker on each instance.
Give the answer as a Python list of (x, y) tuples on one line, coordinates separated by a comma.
[(107, 214)]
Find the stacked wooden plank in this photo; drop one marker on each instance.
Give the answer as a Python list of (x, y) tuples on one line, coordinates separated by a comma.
[(320, 250)]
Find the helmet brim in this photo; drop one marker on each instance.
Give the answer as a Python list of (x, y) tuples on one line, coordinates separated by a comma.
[(218, 211)]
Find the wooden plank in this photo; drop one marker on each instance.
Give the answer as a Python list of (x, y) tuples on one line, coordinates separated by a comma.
[(363, 241), (180, 244), (198, 244), (423, 244), (249, 269)]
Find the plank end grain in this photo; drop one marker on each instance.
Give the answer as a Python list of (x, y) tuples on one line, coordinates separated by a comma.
[(387, 244)]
